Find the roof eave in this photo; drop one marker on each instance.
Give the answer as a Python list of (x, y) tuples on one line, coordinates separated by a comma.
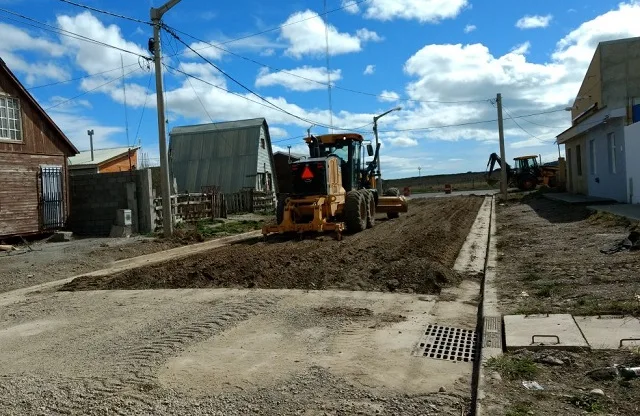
[(16, 81)]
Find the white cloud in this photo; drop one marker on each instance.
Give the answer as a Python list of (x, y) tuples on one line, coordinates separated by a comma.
[(431, 11), (533, 22), (268, 52), (388, 96), (278, 133), (291, 79), (401, 141), (367, 35), (307, 37), (95, 58), (75, 126), (350, 6), (15, 40), (469, 28), (370, 69)]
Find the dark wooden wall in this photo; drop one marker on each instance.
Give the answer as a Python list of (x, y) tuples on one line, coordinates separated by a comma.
[(20, 166)]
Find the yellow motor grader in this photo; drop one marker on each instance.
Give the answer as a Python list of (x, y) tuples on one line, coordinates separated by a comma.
[(334, 189)]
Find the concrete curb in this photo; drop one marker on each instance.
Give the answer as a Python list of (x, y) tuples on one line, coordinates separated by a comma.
[(489, 315), (133, 263)]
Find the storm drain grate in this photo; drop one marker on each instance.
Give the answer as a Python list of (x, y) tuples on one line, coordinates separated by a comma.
[(446, 343)]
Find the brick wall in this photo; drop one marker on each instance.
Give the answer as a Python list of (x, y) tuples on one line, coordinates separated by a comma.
[(96, 198)]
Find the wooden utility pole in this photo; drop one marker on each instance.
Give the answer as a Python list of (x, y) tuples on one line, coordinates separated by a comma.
[(503, 168), (167, 216)]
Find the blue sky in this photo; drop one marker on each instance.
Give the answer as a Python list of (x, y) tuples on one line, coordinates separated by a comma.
[(441, 60)]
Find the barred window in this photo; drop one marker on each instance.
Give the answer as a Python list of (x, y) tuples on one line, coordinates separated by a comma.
[(10, 125)]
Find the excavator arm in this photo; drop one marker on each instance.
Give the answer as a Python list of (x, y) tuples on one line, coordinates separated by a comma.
[(493, 159)]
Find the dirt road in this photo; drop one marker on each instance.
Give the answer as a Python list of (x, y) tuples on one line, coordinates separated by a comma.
[(414, 253), (239, 351)]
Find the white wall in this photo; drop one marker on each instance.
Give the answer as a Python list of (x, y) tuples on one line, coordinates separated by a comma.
[(632, 144)]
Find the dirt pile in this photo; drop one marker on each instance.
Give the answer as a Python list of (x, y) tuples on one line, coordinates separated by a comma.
[(414, 253)]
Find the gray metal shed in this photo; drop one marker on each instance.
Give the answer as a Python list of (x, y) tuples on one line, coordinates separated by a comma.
[(232, 155)]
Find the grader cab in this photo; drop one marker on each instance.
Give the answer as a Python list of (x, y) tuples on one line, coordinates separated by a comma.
[(335, 189)]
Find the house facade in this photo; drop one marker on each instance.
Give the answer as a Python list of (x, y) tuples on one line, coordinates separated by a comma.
[(34, 175), (118, 159), (602, 143), (230, 156)]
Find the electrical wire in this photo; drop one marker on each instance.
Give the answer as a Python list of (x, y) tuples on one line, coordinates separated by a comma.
[(91, 90), (93, 9), (145, 104), (326, 84), (274, 106), (523, 129), (79, 78), (63, 32)]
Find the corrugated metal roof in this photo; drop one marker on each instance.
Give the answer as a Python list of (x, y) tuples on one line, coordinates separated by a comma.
[(225, 125), (100, 156), (217, 154)]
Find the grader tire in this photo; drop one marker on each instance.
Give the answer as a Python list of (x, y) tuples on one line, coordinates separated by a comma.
[(392, 192), (280, 210), (355, 212), (371, 207)]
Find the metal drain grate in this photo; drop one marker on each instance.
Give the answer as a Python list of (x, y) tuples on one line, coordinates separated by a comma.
[(446, 343)]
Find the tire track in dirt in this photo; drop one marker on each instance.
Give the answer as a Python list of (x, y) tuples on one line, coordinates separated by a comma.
[(136, 383)]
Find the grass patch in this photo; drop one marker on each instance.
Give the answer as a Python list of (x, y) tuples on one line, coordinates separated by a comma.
[(519, 409), (208, 228), (513, 368), (547, 290), (607, 219), (588, 402), (531, 277)]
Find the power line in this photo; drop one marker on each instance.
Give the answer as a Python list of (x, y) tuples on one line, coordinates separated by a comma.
[(106, 12), (79, 78), (241, 84), (88, 91), (345, 6), (64, 32), (146, 96), (522, 128), (263, 104), (326, 84)]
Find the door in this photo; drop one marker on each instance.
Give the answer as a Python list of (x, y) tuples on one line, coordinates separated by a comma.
[(569, 170), (52, 197)]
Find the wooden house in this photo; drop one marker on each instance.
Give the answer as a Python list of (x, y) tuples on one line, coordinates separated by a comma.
[(34, 176)]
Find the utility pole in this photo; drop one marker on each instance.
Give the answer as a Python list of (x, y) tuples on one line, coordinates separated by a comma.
[(90, 133), (419, 169), (167, 216), (289, 147), (503, 168), (375, 133)]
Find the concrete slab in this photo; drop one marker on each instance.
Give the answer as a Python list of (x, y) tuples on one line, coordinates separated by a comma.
[(631, 211), (575, 199), (606, 332), (557, 331), (471, 259)]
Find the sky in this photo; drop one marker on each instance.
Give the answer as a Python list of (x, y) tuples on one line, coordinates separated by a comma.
[(441, 61)]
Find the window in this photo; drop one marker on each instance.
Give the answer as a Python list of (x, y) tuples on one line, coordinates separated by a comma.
[(10, 125), (592, 157), (611, 141), (578, 161), (263, 144)]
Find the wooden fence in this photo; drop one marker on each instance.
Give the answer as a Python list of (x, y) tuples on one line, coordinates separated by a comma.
[(192, 207)]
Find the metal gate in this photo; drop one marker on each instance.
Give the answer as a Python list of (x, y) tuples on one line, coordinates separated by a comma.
[(52, 197)]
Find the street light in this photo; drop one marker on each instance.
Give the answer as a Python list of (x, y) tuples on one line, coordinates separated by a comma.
[(375, 132)]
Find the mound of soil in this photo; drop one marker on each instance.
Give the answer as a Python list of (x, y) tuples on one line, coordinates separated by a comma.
[(414, 253)]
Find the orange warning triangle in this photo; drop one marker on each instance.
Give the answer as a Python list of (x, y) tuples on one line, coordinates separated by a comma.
[(307, 173)]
